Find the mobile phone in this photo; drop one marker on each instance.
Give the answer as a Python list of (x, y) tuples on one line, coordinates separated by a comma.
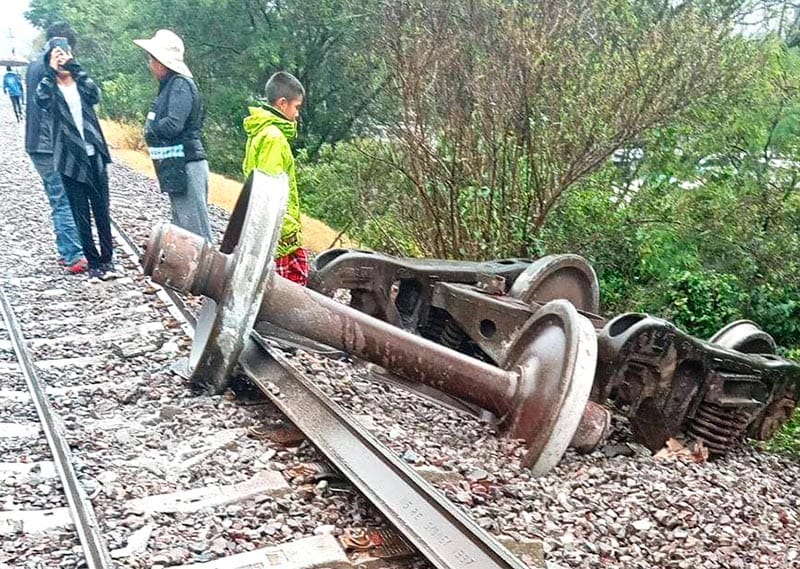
[(62, 43)]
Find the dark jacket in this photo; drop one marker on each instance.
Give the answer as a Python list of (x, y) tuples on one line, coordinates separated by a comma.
[(69, 149), (176, 117), (37, 123)]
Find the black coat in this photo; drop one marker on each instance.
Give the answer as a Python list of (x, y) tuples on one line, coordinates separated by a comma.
[(176, 117), (37, 121), (69, 148)]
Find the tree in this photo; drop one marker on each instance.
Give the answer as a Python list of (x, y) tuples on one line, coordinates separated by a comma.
[(505, 105), (779, 17), (703, 226)]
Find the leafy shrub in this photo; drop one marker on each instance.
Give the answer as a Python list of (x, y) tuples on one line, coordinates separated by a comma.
[(777, 310), (126, 97), (224, 145), (348, 187), (788, 438), (702, 302)]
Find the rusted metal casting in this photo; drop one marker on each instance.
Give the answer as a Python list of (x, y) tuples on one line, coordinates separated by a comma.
[(248, 247), (540, 394), (402, 291), (746, 337), (667, 382)]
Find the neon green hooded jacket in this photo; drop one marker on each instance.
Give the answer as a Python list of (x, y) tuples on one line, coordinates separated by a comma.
[(267, 149)]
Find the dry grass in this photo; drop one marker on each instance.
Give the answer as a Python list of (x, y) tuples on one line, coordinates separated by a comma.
[(124, 136), (127, 145)]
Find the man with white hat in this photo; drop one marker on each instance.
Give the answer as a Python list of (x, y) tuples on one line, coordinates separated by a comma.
[(172, 133)]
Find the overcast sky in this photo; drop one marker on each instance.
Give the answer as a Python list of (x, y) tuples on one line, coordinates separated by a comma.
[(15, 31)]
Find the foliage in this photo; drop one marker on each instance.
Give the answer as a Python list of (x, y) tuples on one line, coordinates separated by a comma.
[(780, 17), (778, 308), (698, 221), (788, 438), (504, 106), (702, 302), (346, 184)]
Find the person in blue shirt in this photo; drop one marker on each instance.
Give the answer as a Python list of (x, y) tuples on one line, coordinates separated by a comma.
[(12, 85)]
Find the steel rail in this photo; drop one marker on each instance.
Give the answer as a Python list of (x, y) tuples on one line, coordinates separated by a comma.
[(136, 253), (81, 509), (442, 533)]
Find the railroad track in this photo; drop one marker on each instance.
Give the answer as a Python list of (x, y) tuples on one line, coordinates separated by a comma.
[(113, 403), (88, 419), (81, 510), (51, 340)]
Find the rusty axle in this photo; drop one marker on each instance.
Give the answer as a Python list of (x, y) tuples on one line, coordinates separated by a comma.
[(185, 262)]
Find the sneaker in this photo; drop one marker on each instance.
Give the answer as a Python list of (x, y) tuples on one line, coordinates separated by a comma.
[(109, 272), (77, 267), (96, 275), (61, 262)]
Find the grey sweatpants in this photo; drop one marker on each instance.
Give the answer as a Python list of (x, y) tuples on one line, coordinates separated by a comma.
[(190, 209)]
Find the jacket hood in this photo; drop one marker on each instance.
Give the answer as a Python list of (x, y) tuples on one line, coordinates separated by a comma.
[(44, 57), (262, 117)]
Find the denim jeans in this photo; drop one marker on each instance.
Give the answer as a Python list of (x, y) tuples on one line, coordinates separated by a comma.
[(68, 243), (190, 209)]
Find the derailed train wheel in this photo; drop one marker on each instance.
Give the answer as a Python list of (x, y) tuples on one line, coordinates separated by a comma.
[(251, 239), (555, 355), (746, 337), (568, 277), (774, 417)]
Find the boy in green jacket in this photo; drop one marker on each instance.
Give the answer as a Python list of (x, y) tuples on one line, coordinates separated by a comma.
[(269, 129)]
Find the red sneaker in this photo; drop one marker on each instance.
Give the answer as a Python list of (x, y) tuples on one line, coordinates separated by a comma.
[(78, 267)]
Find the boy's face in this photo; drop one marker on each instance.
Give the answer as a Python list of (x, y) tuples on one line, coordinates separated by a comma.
[(290, 108)]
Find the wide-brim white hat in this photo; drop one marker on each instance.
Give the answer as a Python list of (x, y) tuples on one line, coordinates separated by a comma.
[(167, 48)]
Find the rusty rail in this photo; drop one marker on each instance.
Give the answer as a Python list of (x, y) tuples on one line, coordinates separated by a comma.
[(80, 507), (447, 537)]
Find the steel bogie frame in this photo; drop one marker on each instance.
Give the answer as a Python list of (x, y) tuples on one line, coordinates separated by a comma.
[(440, 299), (398, 290), (668, 382)]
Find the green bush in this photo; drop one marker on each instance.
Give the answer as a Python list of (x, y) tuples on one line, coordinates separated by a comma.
[(348, 188), (224, 145), (702, 302), (788, 438), (126, 97), (777, 310)]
